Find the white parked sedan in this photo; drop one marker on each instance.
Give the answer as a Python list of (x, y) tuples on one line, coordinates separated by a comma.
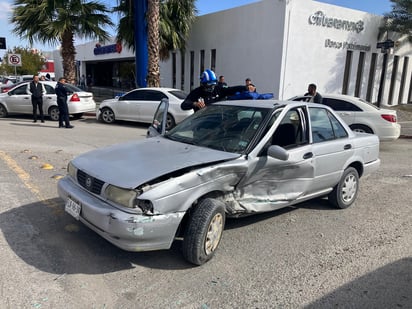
[(362, 116), (140, 105), (17, 101)]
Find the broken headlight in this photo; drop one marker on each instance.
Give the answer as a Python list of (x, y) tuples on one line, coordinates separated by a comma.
[(124, 197)]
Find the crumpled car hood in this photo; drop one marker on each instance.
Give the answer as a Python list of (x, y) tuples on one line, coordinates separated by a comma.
[(131, 164)]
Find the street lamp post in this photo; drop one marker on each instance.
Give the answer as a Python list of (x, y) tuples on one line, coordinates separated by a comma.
[(385, 47)]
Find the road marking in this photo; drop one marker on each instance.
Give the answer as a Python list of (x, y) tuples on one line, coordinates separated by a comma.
[(25, 178)]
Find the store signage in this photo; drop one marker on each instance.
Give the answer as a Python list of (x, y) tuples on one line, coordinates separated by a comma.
[(320, 19), (346, 45), (107, 49)]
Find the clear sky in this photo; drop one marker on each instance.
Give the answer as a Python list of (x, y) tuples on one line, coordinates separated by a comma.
[(378, 7)]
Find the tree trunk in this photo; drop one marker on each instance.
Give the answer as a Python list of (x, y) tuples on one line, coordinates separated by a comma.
[(68, 53), (153, 70)]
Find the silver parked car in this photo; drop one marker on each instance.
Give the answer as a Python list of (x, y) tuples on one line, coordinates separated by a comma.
[(362, 116), (17, 101), (140, 104), (230, 159)]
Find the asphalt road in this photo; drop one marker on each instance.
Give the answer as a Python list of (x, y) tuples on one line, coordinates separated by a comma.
[(309, 256)]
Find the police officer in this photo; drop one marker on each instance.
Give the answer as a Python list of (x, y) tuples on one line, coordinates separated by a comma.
[(208, 92), (61, 93)]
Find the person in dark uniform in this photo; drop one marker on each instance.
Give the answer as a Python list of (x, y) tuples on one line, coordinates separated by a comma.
[(316, 97), (61, 93), (208, 92), (36, 90)]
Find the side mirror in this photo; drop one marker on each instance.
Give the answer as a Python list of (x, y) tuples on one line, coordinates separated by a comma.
[(278, 152), (158, 126)]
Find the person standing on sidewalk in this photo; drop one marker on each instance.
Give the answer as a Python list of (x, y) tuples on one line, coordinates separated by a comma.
[(61, 93), (36, 90)]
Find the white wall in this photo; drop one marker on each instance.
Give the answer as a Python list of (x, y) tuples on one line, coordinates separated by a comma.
[(248, 42)]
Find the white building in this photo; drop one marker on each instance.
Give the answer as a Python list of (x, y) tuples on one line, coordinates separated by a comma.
[(282, 45)]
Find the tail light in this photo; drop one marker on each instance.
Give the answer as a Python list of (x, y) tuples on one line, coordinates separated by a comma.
[(75, 98), (389, 117)]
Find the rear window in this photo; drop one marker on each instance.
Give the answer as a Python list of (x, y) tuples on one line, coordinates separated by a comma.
[(179, 94), (72, 88)]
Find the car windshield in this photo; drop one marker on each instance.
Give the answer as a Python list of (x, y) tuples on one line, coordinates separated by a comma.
[(222, 127)]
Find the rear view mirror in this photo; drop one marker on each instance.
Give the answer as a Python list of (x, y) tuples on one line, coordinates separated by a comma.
[(158, 126)]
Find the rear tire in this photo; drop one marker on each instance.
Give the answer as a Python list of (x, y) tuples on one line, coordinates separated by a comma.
[(107, 115), (361, 128), (3, 111), (346, 191), (170, 121), (204, 231), (54, 113)]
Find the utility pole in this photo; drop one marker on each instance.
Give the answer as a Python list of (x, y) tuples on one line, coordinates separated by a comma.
[(141, 53), (385, 47)]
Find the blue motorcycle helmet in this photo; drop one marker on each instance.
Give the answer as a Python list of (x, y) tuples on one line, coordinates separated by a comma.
[(208, 80)]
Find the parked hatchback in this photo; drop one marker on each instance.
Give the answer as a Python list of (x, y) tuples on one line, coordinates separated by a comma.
[(140, 105), (362, 116), (17, 101)]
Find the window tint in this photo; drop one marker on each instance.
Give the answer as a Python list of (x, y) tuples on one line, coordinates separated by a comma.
[(179, 94), (325, 126), (340, 105), (49, 89), (20, 90), (144, 95), (72, 89), (292, 131), (153, 95), (338, 129)]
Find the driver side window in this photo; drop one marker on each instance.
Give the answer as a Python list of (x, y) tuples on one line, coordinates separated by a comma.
[(292, 131)]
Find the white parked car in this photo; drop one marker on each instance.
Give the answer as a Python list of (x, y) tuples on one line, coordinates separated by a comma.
[(362, 116), (140, 105), (17, 101)]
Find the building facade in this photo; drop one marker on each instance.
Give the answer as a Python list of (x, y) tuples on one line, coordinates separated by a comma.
[(282, 45)]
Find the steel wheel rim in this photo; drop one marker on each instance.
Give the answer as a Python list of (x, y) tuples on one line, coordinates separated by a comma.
[(349, 188), (214, 233), (54, 114)]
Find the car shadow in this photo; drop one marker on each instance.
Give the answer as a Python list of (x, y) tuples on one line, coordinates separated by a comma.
[(43, 235), (387, 287), (315, 204)]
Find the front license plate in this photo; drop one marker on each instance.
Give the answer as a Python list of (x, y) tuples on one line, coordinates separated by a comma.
[(73, 208)]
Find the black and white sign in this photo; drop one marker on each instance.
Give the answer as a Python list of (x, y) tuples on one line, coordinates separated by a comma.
[(14, 59)]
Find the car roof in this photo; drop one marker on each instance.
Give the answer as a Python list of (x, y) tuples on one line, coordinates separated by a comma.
[(269, 104)]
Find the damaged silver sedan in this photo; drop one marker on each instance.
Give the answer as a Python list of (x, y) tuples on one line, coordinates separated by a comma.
[(230, 159)]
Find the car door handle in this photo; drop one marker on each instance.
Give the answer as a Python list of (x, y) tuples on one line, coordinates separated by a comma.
[(347, 146), (308, 155)]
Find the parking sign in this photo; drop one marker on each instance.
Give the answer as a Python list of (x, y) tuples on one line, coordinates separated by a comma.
[(14, 59)]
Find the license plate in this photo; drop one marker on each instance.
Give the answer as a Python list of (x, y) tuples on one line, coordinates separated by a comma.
[(73, 208)]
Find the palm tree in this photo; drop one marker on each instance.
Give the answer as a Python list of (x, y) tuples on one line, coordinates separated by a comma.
[(171, 19), (59, 21), (153, 71), (400, 18)]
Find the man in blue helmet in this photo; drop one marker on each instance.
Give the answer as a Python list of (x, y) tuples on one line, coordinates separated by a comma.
[(208, 92)]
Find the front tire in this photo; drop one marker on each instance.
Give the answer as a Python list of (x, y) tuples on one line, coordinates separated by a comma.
[(204, 231), (107, 115), (346, 191), (54, 113), (3, 111)]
